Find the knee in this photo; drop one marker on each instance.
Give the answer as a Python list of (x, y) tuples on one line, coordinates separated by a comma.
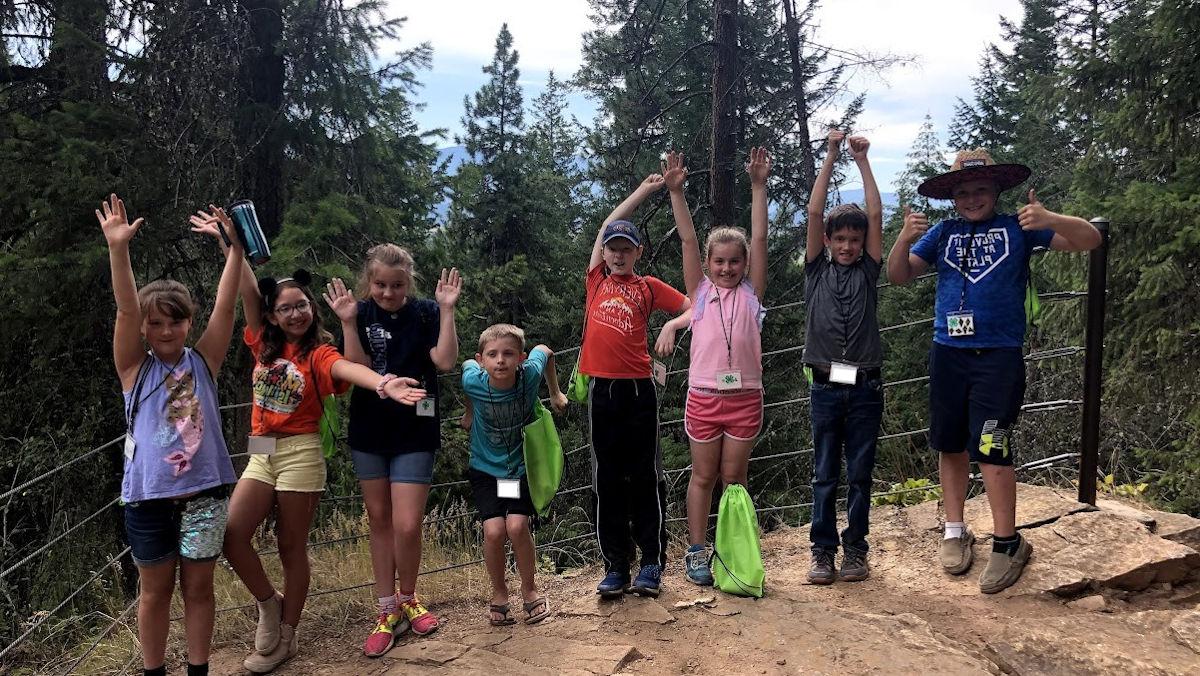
[(517, 526), (730, 477), (495, 531), (379, 515), (293, 550), (237, 534), (407, 529), (703, 478), (156, 593), (197, 592)]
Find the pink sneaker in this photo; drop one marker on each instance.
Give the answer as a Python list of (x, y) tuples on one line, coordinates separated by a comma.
[(387, 628), (420, 619)]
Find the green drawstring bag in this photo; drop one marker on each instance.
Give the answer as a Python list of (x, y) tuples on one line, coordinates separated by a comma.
[(1033, 305), (331, 426), (737, 558), (543, 458), (577, 386)]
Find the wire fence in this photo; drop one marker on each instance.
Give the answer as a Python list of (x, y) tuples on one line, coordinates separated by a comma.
[(41, 619)]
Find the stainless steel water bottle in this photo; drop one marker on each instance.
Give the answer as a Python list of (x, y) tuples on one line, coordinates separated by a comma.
[(245, 221)]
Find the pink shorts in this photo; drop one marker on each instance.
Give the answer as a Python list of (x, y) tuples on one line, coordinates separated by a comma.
[(737, 415)]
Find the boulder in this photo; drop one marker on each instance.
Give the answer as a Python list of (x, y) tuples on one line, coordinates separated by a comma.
[(1185, 629), (1179, 528), (562, 654), (428, 652), (1036, 505), (1101, 550), (1127, 511)]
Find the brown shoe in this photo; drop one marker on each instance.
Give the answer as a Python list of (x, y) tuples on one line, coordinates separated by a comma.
[(1003, 570), (821, 571), (957, 554), (284, 651), (270, 613)]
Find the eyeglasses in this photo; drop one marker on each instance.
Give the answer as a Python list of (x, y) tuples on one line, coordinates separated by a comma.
[(287, 310)]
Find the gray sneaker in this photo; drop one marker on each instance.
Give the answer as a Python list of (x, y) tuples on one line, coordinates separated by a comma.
[(1003, 570), (821, 571), (957, 554), (854, 566)]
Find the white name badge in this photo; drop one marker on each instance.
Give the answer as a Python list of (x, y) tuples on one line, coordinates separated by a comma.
[(729, 380), (660, 373), (426, 408), (960, 324), (261, 445), (130, 446), (843, 374), (508, 488)]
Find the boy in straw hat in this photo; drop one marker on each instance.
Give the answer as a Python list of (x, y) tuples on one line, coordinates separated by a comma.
[(976, 368)]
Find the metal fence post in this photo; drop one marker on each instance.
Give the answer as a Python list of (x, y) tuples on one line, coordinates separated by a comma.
[(1093, 363)]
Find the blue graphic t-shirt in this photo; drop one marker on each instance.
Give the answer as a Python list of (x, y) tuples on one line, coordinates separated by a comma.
[(985, 267), (500, 416)]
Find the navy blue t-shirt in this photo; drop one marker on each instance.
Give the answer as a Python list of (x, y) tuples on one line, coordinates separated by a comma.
[(398, 343), (985, 266)]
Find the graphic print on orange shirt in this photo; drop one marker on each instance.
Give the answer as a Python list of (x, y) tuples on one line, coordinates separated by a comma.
[(279, 387)]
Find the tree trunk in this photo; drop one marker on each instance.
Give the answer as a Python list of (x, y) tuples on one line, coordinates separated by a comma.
[(807, 160), (725, 75), (259, 140)]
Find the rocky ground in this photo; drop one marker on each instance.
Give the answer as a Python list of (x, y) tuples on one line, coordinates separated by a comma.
[(1115, 590)]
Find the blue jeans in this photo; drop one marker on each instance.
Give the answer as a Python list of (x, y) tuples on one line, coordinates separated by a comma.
[(845, 420)]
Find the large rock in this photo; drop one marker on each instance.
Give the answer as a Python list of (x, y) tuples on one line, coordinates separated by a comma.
[(1036, 505), (1132, 643), (472, 662), (1185, 629), (1101, 549), (428, 652), (1179, 528), (1127, 511)]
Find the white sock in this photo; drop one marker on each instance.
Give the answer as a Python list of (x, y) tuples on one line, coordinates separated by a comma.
[(954, 529), (387, 604)]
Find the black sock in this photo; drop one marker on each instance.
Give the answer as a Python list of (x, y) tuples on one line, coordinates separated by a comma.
[(197, 669), (157, 671), (1007, 546)]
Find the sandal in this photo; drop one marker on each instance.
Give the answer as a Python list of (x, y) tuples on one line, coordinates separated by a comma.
[(501, 609), (534, 618)]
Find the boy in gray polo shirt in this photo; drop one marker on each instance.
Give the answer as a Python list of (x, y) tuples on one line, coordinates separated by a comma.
[(843, 358)]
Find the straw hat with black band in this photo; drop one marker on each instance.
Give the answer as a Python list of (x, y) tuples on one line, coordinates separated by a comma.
[(971, 165)]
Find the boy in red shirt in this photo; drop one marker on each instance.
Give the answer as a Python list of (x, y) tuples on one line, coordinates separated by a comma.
[(627, 475)]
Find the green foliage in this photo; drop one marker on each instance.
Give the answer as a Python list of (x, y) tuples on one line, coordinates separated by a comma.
[(909, 492)]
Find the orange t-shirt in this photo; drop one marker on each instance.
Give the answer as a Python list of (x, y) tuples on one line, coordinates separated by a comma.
[(617, 309), (284, 401)]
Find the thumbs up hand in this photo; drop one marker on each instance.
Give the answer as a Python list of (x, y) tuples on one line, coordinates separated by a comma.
[(916, 223), (1034, 216)]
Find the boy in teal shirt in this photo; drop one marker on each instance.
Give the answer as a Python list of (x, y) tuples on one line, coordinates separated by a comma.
[(501, 383)]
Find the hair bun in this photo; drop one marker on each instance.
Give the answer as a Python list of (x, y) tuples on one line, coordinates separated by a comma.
[(266, 287), (303, 277)]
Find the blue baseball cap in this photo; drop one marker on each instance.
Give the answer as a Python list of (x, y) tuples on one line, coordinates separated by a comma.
[(622, 229)]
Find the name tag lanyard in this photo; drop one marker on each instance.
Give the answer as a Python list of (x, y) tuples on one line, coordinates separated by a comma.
[(963, 262), (507, 486), (731, 379), (841, 371), (961, 323), (135, 400)]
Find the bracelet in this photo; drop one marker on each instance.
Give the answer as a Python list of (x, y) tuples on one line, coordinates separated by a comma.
[(387, 377)]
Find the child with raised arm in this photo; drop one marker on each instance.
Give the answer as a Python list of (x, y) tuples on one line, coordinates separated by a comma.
[(842, 353), (393, 445), (976, 366), (501, 383), (628, 486), (724, 410), (295, 367), (177, 469)]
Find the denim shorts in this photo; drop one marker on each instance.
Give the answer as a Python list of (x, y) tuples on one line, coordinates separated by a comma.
[(403, 468), (192, 528)]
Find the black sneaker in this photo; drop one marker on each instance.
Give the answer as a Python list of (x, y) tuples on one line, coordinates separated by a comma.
[(854, 566), (821, 570)]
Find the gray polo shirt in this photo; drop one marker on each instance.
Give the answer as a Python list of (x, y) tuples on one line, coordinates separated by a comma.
[(841, 324)]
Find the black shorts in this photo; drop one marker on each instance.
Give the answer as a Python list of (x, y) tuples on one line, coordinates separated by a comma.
[(490, 505), (975, 396)]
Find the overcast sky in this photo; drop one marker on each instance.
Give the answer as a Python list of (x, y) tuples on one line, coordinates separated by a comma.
[(946, 37)]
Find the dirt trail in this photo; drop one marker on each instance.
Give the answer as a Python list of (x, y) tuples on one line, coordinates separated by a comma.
[(1116, 590)]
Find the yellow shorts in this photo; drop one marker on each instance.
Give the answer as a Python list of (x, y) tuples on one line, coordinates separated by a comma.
[(296, 465)]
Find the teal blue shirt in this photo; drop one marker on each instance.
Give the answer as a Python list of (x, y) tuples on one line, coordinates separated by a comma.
[(500, 416)]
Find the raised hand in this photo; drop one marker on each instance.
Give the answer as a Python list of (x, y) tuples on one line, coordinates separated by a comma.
[(1034, 216), (341, 301), (449, 287), (858, 147), (915, 224), (674, 172), (652, 183), (834, 142), (115, 222), (759, 166), (404, 390), (212, 222)]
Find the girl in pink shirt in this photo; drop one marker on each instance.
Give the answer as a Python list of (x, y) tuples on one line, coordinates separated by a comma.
[(724, 403)]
